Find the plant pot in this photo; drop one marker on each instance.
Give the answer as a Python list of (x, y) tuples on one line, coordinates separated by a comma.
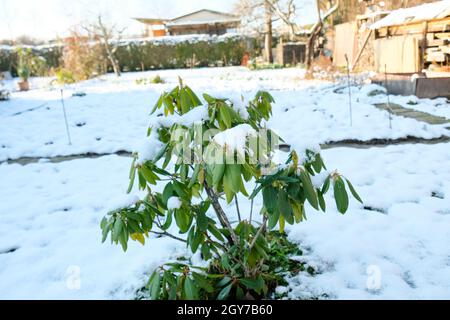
[(24, 85)]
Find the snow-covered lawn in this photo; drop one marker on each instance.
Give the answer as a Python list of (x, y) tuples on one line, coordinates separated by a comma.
[(114, 113), (50, 213), (395, 246)]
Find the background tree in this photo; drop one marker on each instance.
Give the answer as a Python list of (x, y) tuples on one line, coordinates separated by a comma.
[(261, 14), (81, 59), (105, 35), (288, 13)]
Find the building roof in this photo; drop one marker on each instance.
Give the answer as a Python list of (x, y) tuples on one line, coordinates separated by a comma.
[(424, 12), (203, 16)]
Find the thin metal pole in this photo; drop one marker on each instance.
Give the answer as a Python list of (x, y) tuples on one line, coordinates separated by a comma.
[(349, 91), (65, 117), (388, 101)]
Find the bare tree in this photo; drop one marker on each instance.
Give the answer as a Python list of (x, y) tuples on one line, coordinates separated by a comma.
[(105, 34), (314, 31), (258, 16), (268, 31)]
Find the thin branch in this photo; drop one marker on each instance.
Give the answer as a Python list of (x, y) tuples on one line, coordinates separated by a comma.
[(258, 233), (220, 213), (251, 211), (165, 233), (237, 207)]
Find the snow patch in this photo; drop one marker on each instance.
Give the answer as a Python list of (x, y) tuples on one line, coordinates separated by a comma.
[(173, 203)]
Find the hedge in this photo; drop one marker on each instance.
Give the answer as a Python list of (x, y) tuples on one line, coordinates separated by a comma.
[(156, 53)]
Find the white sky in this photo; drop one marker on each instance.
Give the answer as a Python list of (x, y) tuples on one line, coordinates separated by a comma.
[(50, 18)]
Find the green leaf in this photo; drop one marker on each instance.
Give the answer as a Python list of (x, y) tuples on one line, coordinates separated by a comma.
[(326, 185), (195, 100), (202, 221), (179, 188), (225, 292), (208, 98), (310, 193), (105, 231), (190, 289), (194, 176), (227, 189), (202, 282), (273, 219), (198, 237), (132, 176), (149, 175), (158, 104), (240, 294), (270, 195), (185, 101), (206, 251), (284, 206), (154, 285), (218, 171), (168, 221), (321, 201), (340, 195), (103, 222), (317, 164), (242, 188), (233, 177), (215, 232), (204, 206), (282, 224), (123, 239), (225, 264), (254, 284), (225, 115), (183, 220), (118, 225), (353, 191), (297, 208), (167, 193)]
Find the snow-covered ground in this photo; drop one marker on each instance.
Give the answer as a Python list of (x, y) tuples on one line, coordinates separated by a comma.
[(438, 106), (400, 248), (114, 112), (50, 241)]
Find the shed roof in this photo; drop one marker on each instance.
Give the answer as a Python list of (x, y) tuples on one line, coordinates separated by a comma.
[(424, 12), (203, 16)]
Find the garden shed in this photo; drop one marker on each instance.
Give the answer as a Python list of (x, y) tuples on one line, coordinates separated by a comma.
[(199, 22), (412, 46), (413, 39)]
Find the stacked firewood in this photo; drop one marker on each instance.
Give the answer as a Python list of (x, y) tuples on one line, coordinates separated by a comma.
[(438, 49)]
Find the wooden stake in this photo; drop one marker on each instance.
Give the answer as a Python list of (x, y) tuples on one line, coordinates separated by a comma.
[(65, 117), (388, 101), (349, 91)]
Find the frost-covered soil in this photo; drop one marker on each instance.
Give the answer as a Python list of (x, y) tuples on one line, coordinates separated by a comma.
[(50, 240), (114, 113)]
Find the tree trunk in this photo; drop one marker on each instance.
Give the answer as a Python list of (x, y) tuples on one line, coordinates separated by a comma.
[(312, 38), (268, 32), (310, 45), (113, 60)]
